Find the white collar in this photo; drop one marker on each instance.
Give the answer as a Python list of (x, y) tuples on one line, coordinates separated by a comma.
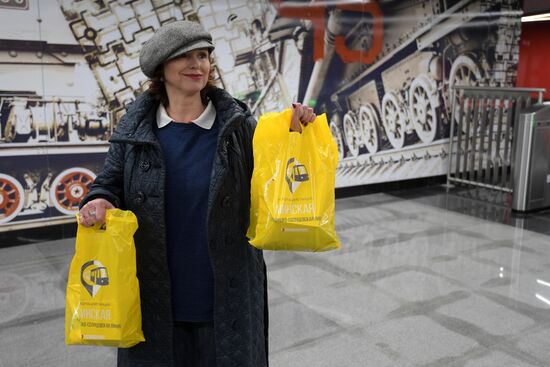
[(205, 120)]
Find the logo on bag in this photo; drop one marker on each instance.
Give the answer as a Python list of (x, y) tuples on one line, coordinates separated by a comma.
[(296, 173), (93, 275)]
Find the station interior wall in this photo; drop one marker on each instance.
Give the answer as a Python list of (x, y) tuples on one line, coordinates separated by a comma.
[(534, 50), (532, 72)]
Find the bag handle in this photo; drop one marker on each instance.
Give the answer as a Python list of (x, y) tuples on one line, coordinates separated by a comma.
[(111, 216)]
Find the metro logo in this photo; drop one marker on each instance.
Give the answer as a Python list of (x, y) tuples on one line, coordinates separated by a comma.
[(316, 12)]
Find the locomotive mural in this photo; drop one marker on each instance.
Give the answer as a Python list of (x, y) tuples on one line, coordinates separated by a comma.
[(391, 118), (382, 71)]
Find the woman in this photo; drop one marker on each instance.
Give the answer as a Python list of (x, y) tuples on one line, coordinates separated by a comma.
[(181, 160)]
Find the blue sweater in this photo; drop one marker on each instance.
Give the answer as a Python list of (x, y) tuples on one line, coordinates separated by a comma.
[(188, 154)]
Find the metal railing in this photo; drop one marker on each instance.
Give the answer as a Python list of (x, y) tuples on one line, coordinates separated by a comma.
[(482, 134)]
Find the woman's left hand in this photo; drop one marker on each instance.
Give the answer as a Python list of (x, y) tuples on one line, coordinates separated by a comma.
[(301, 115)]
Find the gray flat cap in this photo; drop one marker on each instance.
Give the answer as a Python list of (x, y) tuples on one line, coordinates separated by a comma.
[(170, 41)]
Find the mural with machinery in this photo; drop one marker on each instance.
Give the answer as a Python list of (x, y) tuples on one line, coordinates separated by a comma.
[(382, 71)]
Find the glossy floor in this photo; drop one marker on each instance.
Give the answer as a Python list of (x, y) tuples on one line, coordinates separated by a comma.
[(416, 283)]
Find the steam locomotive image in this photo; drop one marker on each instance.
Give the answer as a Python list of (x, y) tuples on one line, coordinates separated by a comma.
[(54, 123), (67, 78), (404, 97)]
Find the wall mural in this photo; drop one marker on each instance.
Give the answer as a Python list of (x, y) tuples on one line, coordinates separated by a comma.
[(382, 71)]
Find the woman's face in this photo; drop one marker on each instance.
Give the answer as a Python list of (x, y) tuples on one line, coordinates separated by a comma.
[(188, 73)]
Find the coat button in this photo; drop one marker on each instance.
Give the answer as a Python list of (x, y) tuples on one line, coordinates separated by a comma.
[(144, 165), (235, 325), (232, 283), (140, 198), (226, 202)]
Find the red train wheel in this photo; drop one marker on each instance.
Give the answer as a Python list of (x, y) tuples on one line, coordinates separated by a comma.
[(69, 187), (11, 198)]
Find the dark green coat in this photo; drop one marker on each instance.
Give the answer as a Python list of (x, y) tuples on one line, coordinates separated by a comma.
[(133, 179)]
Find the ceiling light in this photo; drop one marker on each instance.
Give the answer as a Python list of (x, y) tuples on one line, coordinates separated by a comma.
[(536, 18)]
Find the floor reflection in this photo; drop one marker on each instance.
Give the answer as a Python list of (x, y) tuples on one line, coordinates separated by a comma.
[(423, 278)]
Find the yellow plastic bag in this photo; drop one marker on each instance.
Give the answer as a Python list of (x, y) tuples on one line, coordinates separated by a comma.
[(292, 189), (103, 304)]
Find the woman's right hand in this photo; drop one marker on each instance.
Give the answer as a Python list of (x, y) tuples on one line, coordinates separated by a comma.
[(94, 212)]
